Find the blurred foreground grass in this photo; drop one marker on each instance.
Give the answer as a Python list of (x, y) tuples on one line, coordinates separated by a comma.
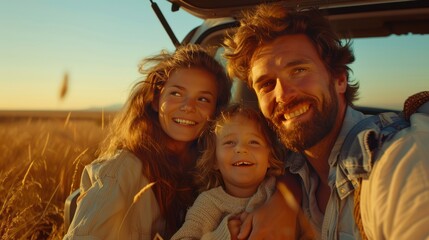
[(40, 165)]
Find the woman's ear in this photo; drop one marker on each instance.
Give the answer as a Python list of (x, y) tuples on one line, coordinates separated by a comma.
[(155, 103), (215, 166)]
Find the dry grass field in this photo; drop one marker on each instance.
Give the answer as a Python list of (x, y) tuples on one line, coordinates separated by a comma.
[(42, 155)]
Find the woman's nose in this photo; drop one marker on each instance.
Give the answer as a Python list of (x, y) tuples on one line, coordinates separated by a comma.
[(188, 106)]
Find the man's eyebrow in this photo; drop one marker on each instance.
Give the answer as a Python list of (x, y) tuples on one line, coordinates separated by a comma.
[(260, 79), (297, 62), (291, 64)]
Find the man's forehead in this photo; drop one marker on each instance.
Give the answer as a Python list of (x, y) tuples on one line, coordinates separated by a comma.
[(297, 42), (282, 52), (263, 53), (276, 58)]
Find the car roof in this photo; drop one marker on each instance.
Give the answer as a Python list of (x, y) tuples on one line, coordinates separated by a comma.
[(363, 18)]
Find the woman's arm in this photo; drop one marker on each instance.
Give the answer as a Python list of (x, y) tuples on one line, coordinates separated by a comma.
[(108, 189)]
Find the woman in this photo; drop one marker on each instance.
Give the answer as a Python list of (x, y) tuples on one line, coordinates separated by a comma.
[(154, 139)]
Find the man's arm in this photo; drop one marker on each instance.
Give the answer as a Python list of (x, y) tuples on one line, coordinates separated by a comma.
[(395, 199), (276, 219)]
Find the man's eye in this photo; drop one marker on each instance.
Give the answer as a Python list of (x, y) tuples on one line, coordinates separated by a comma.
[(299, 70), (267, 86)]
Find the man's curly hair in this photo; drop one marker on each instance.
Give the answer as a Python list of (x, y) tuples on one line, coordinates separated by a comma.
[(269, 21)]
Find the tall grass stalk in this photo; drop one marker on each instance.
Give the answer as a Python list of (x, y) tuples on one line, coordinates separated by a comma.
[(66, 122), (76, 169), (40, 161), (102, 118), (46, 144), (26, 174)]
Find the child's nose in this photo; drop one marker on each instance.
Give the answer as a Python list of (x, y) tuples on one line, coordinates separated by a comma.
[(241, 148)]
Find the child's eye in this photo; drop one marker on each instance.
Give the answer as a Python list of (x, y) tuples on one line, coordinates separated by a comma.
[(255, 142), (228, 143)]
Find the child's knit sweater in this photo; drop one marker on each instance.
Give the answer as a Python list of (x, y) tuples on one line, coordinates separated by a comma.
[(208, 217)]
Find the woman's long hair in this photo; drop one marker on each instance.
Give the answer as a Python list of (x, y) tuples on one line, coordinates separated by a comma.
[(138, 130)]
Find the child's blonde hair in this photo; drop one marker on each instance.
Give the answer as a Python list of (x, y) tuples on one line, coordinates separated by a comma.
[(206, 176)]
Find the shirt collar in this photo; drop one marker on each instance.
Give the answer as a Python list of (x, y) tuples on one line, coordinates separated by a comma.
[(351, 118)]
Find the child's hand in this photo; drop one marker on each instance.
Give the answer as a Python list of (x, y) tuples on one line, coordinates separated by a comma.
[(234, 224)]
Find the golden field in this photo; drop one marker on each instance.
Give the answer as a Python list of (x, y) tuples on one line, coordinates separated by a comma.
[(42, 155)]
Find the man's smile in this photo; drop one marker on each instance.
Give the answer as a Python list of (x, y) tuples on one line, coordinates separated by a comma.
[(298, 111)]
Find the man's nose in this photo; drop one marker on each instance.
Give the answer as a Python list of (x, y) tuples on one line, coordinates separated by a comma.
[(284, 90)]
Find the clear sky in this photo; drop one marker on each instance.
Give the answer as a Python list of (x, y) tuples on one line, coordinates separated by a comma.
[(99, 44)]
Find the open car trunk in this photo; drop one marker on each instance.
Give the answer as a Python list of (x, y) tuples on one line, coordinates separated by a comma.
[(363, 18)]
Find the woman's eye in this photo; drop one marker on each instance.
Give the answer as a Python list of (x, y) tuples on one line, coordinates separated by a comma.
[(204, 99), (177, 94)]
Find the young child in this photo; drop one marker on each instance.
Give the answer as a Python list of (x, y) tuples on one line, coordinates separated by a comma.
[(236, 173)]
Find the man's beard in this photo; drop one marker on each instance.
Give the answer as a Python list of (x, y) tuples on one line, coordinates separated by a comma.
[(304, 135)]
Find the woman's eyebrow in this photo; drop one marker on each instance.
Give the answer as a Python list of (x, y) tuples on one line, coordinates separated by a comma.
[(178, 86), (184, 88)]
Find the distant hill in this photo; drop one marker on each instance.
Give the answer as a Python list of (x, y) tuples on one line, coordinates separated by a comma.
[(91, 113), (111, 108), (106, 113)]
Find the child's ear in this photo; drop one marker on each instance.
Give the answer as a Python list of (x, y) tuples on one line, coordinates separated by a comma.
[(272, 159)]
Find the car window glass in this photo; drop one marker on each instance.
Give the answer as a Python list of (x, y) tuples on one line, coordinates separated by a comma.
[(390, 69)]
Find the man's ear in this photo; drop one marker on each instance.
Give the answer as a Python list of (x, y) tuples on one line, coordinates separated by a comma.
[(341, 83)]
